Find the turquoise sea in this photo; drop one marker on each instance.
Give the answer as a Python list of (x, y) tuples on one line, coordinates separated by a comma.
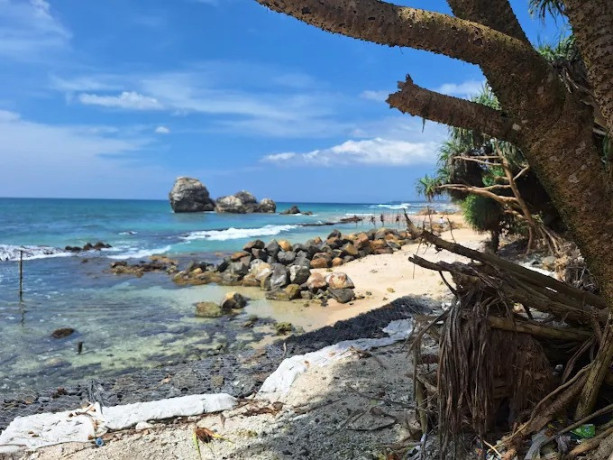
[(124, 322)]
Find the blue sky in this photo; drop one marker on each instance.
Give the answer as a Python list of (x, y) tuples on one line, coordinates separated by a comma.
[(116, 98)]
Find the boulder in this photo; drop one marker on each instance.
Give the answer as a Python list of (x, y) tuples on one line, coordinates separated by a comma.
[(319, 262), (337, 261), (267, 206), (230, 204), (350, 250), (261, 270), (299, 274), (285, 245), (292, 291), (208, 310), (342, 295), (190, 195), (260, 254), (286, 257), (316, 282), (273, 248), (293, 210), (279, 277), (244, 202), (361, 241), (232, 301), (250, 281), (239, 268), (335, 234), (255, 244), (339, 280), (302, 260), (238, 255), (62, 333), (230, 279)]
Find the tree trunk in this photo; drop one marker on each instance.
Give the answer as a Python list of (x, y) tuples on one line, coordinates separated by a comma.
[(592, 22)]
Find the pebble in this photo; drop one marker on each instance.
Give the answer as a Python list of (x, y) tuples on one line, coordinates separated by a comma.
[(140, 426)]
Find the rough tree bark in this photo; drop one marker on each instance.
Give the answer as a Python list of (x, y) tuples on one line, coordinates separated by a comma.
[(552, 126), (592, 22)]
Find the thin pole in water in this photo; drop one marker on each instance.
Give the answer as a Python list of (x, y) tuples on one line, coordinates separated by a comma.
[(21, 276)]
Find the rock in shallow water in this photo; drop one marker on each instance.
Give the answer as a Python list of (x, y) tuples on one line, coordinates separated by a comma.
[(62, 332)]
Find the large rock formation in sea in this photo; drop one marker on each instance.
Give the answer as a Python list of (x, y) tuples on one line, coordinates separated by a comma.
[(244, 202), (190, 195)]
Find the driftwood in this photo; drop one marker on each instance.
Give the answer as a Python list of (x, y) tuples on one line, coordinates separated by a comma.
[(493, 341)]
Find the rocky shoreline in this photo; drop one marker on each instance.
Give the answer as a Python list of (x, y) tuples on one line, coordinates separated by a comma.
[(239, 374), (285, 271)]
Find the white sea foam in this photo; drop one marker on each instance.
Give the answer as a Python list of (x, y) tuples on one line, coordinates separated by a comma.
[(12, 252), (139, 253), (392, 206), (238, 233)]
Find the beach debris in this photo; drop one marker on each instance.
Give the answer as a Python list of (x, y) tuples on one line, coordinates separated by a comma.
[(62, 332), (283, 328)]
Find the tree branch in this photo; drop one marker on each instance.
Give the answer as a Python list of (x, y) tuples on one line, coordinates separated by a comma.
[(496, 14), (421, 102), (518, 68)]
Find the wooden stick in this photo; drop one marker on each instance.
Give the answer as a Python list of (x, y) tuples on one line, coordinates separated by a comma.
[(20, 276), (598, 371), (590, 444), (538, 330)]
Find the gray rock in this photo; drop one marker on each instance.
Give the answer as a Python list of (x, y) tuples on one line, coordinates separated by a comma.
[(190, 195), (335, 234), (244, 202), (239, 268), (279, 278), (303, 261), (255, 244), (208, 310), (299, 274), (286, 257), (232, 301), (339, 280), (230, 204), (293, 210), (342, 295), (273, 248), (268, 206)]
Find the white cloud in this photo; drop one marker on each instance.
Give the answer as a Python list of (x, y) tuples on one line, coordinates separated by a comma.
[(465, 89), (29, 31), (378, 96), (289, 108), (41, 159), (377, 151), (162, 130), (126, 100)]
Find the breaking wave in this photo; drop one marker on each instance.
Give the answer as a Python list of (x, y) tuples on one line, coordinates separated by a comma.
[(238, 233), (11, 252)]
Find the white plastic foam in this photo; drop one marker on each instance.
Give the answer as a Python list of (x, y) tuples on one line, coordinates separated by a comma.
[(280, 381), (41, 430), (238, 233)]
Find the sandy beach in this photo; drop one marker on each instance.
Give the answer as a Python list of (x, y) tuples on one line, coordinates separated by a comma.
[(355, 407), (380, 279)]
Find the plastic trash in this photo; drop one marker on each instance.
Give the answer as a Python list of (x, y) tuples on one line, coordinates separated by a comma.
[(99, 442), (585, 431)]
